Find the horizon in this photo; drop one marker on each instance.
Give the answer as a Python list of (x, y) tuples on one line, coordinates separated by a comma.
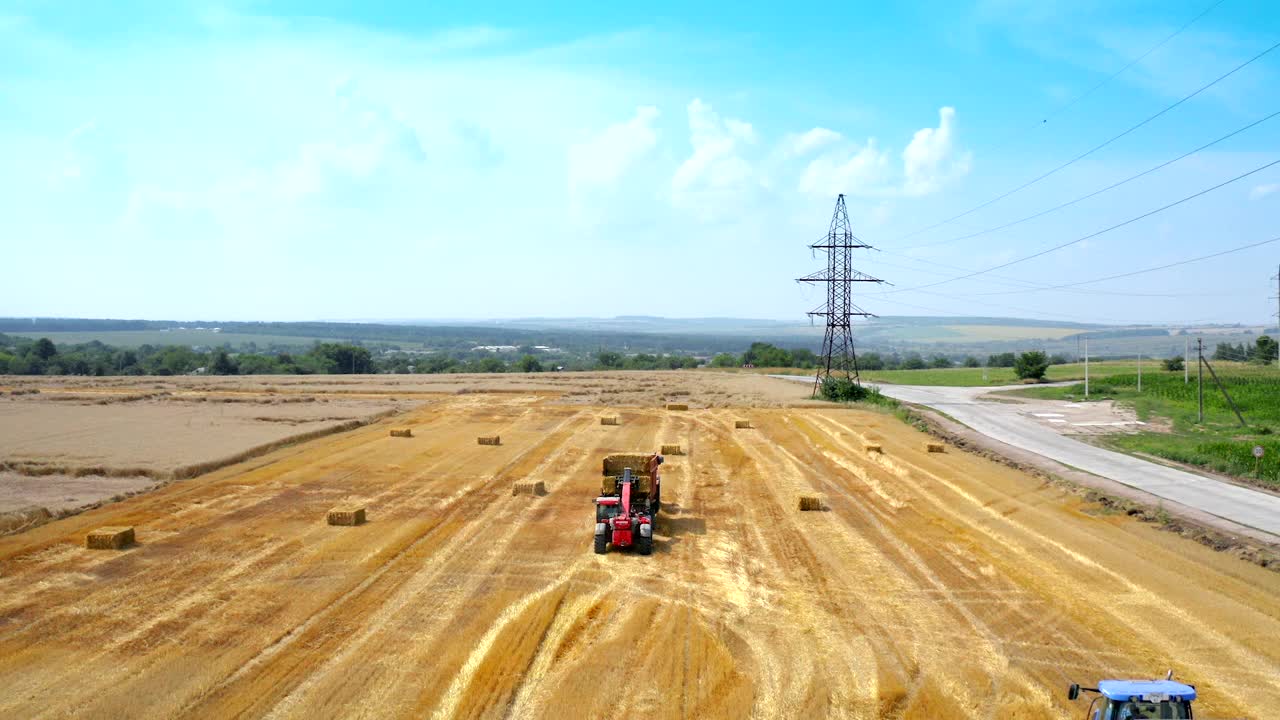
[(429, 322)]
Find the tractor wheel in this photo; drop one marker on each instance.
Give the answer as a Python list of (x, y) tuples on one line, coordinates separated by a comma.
[(602, 541), (645, 545)]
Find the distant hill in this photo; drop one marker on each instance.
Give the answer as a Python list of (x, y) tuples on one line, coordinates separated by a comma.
[(951, 336)]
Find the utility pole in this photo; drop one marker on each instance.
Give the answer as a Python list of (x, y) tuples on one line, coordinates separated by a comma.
[(1186, 359), (1139, 372), (1277, 299), (1086, 368), (1200, 378), (1223, 389), (838, 355)]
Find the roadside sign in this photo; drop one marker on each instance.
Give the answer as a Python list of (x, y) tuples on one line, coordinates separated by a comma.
[(1258, 451)]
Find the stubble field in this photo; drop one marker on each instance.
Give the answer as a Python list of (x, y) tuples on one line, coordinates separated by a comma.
[(933, 586)]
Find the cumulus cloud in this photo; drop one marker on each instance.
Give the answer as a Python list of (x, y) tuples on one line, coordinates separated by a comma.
[(805, 143), (89, 157), (598, 163), (369, 141), (366, 147), (1262, 191), (931, 158), (864, 171), (929, 161), (603, 158), (376, 135), (717, 170)]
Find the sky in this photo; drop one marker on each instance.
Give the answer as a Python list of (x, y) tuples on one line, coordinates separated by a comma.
[(326, 160)]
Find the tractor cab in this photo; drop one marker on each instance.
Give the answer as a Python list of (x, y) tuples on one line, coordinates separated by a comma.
[(607, 508), (1138, 699)]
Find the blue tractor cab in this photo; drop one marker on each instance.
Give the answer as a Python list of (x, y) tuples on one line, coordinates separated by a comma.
[(1138, 699)]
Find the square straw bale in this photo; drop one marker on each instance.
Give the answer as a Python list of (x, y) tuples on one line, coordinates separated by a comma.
[(109, 538)]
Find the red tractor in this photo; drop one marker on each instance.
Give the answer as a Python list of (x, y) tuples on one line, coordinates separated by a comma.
[(630, 495)]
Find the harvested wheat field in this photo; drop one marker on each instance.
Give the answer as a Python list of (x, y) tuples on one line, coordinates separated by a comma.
[(82, 440), (930, 586)]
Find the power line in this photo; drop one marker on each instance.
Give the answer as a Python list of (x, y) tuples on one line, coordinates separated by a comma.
[(1095, 193), (953, 313), (1140, 272), (1133, 62), (1028, 285), (1073, 102), (1095, 148), (1094, 234), (1069, 316)]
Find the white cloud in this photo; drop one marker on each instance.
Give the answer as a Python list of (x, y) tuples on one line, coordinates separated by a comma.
[(377, 136), (601, 159), (864, 171), (805, 143), (1262, 191), (715, 177), (931, 158), (83, 149), (929, 161), (369, 149)]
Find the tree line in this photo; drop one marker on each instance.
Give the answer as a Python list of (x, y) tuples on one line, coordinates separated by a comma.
[(1261, 351), (762, 354), (22, 356)]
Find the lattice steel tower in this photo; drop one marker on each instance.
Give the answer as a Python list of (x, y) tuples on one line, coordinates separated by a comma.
[(838, 355)]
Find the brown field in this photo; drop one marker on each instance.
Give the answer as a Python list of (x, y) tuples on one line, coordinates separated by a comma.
[(77, 442), (698, 389), (932, 585)]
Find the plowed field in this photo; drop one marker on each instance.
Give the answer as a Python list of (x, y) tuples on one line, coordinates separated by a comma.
[(933, 586)]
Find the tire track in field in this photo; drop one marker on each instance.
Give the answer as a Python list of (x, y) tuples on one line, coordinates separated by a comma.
[(915, 561), (95, 613), (468, 540), (1140, 626), (219, 588), (572, 548), (807, 597), (279, 666)]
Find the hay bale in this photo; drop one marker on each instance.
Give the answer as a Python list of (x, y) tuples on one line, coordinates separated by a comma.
[(809, 502), (489, 440), (677, 406), (109, 538), (638, 462), (401, 432), (742, 424), (935, 447), (610, 420), (349, 515), (536, 489), (641, 485), (873, 448), (672, 450)]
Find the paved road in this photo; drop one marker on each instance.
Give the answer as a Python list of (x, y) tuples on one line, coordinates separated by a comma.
[(1004, 422)]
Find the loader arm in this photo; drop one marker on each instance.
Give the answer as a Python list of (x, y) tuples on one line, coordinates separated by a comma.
[(626, 493)]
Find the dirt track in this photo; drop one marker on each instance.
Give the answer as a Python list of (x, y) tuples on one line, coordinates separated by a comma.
[(937, 585)]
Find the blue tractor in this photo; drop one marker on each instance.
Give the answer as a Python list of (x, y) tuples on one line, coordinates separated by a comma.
[(1138, 699)]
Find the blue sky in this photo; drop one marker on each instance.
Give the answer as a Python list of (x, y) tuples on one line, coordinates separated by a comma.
[(325, 160)]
